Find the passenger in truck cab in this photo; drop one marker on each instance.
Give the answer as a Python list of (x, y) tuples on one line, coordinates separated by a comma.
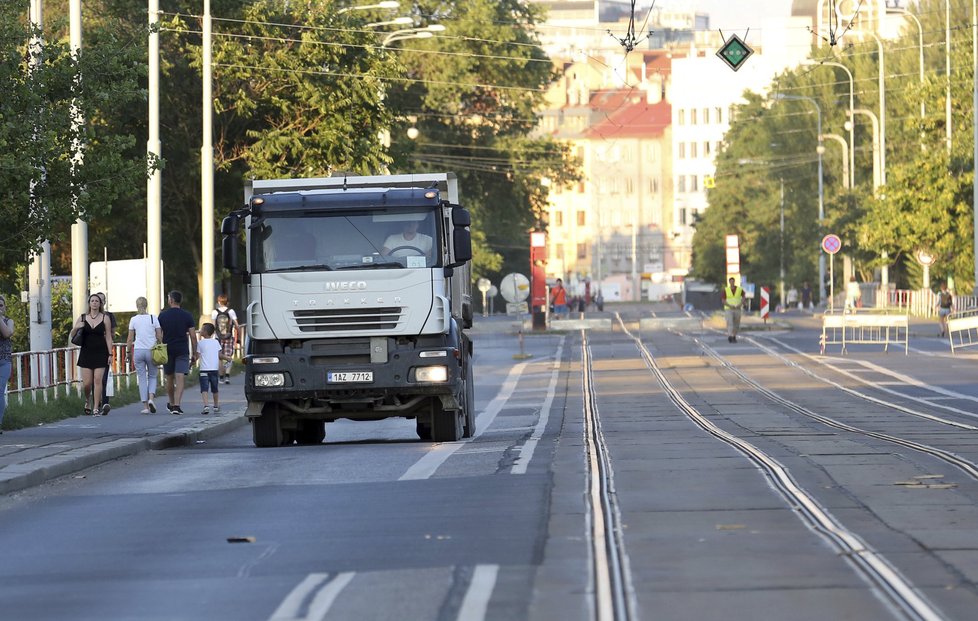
[(408, 242)]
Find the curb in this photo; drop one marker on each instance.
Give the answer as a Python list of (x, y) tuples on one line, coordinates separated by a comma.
[(17, 477)]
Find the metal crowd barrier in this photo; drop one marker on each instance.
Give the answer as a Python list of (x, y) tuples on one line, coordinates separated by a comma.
[(865, 328), (962, 329)]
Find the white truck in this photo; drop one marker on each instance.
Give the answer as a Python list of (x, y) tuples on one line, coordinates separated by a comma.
[(358, 298)]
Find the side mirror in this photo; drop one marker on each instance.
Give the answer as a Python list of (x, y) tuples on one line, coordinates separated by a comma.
[(229, 244), (461, 217), (462, 245)]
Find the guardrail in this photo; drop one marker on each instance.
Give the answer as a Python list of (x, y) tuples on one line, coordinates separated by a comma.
[(865, 328), (962, 329), (33, 373)]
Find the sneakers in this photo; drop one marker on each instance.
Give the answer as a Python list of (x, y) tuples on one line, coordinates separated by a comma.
[(227, 379), (105, 409), (176, 409), (152, 406), (216, 409), (144, 411), (205, 411)]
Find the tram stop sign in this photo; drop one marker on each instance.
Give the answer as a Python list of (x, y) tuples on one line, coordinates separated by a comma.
[(831, 244), (734, 52)]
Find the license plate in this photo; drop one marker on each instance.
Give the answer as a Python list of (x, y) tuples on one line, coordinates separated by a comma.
[(349, 376)]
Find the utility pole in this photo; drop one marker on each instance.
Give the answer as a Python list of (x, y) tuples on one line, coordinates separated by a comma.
[(79, 230), (781, 286), (39, 270), (207, 177), (155, 182)]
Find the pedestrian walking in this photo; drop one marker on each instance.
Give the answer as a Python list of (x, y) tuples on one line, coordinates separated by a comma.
[(6, 354), (733, 304), (107, 392), (144, 332), (180, 336), (226, 324), (853, 294), (558, 297), (211, 354), (806, 296), (95, 354), (945, 304)]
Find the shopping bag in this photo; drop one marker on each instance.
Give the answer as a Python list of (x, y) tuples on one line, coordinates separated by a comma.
[(159, 354)]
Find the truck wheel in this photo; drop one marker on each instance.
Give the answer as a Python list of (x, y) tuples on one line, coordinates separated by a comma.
[(446, 425), (424, 429), (267, 428), (310, 432), (469, 406)]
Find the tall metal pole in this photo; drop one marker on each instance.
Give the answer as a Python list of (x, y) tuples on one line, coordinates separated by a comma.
[(79, 230), (974, 122), (155, 182), (39, 270), (947, 73), (781, 286), (207, 177), (851, 128)]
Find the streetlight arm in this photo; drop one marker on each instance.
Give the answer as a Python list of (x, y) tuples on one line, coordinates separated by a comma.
[(386, 4)]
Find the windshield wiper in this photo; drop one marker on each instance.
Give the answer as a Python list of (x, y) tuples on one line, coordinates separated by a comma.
[(305, 268), (375, 266)]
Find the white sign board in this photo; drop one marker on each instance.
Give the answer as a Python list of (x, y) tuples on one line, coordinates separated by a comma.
[(122, 282), (516, 308), (515, 287)]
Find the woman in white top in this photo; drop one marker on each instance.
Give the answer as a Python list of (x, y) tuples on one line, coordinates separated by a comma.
[(144, 332)]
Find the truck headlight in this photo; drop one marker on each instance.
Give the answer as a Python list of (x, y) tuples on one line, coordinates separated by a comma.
[(269, 380), (431, 374)]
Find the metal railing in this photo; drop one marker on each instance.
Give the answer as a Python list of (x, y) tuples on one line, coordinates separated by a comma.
[(962, 329), (866, 327), (34, 373), (923, 302)]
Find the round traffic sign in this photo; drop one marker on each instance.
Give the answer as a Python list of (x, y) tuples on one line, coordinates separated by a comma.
[(831, 243), (483, 284), (515, 287)]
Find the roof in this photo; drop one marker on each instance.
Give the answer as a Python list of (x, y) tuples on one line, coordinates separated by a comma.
[(633, 119)]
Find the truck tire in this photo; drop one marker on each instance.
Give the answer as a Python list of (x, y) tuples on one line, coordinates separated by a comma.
[(446, 425), (469, 405), (267, 428), (423, 429), (310, 432)]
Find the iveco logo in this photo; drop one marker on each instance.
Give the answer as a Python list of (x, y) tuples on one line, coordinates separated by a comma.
[(350, 285)]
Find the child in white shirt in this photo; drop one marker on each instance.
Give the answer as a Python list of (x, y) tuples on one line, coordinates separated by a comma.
[(210, 355)]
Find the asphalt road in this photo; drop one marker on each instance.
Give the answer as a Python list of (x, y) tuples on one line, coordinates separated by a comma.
[(376, 524)]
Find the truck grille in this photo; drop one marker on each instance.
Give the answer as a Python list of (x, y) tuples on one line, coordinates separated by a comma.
[(347, 319)]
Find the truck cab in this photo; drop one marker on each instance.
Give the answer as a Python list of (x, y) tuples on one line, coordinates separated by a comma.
[(358, 298)]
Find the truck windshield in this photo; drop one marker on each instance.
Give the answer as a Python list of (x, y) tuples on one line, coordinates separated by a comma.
[(345, 241)]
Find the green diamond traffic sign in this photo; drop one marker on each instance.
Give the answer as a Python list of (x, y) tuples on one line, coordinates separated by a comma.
[(734, 52)]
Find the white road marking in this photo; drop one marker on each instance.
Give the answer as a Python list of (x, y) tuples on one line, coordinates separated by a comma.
[(427, 465), (476, 600), (326, 591), (526, 451)]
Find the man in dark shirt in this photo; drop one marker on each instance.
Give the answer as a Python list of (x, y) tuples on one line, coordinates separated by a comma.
[(178, 330)]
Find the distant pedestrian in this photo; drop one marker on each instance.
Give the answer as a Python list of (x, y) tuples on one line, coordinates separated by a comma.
[(108, 370), (6, 354), (211, 355), (599, 300), (945, 304), (733, 304), (853, 294), (180, 336), (792, 298), (95, 354), (144, 332), (558, 297), (226, 323), (806, 296)]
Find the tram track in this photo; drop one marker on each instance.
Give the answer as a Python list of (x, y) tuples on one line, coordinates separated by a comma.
[(890, 585)]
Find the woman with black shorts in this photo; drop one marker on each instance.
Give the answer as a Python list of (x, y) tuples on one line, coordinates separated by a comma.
[(95, 354)]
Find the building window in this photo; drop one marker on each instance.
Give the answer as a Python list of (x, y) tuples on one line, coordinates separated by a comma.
[(580, 218), (682, 117), (682, 216), (581, 251), (653, 186), (628, 185), (580, 187), (706, 148), (692, 116), (692, 150), (558, 218), (682, 150), (718, 116), (682, 183), (706, 116), (694, 183)]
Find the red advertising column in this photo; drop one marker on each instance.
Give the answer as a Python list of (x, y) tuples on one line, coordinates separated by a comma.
[(538, 279)]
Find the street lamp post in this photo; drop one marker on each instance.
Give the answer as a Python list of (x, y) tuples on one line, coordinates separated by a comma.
[(821, 191), (845, 157), (877, 177), (882, 117), (425, 32), (386, 4), (851, 128)]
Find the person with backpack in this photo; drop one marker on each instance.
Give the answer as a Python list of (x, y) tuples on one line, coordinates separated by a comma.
[(945, 304), (226, 324)]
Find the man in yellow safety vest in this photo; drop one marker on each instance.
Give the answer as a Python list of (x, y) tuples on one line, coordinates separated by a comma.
[(733, 302)]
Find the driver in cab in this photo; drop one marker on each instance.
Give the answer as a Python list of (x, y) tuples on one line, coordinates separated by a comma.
[(409, 242)]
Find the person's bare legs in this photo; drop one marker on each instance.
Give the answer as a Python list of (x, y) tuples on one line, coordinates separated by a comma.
[(170, 389), (178, 382), (97, 390), (86, 375)]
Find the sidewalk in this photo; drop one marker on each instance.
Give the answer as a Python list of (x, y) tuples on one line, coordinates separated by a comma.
[(34, 455)]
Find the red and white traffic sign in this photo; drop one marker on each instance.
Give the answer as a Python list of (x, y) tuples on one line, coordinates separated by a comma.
[(831, 244), (765, 303)]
